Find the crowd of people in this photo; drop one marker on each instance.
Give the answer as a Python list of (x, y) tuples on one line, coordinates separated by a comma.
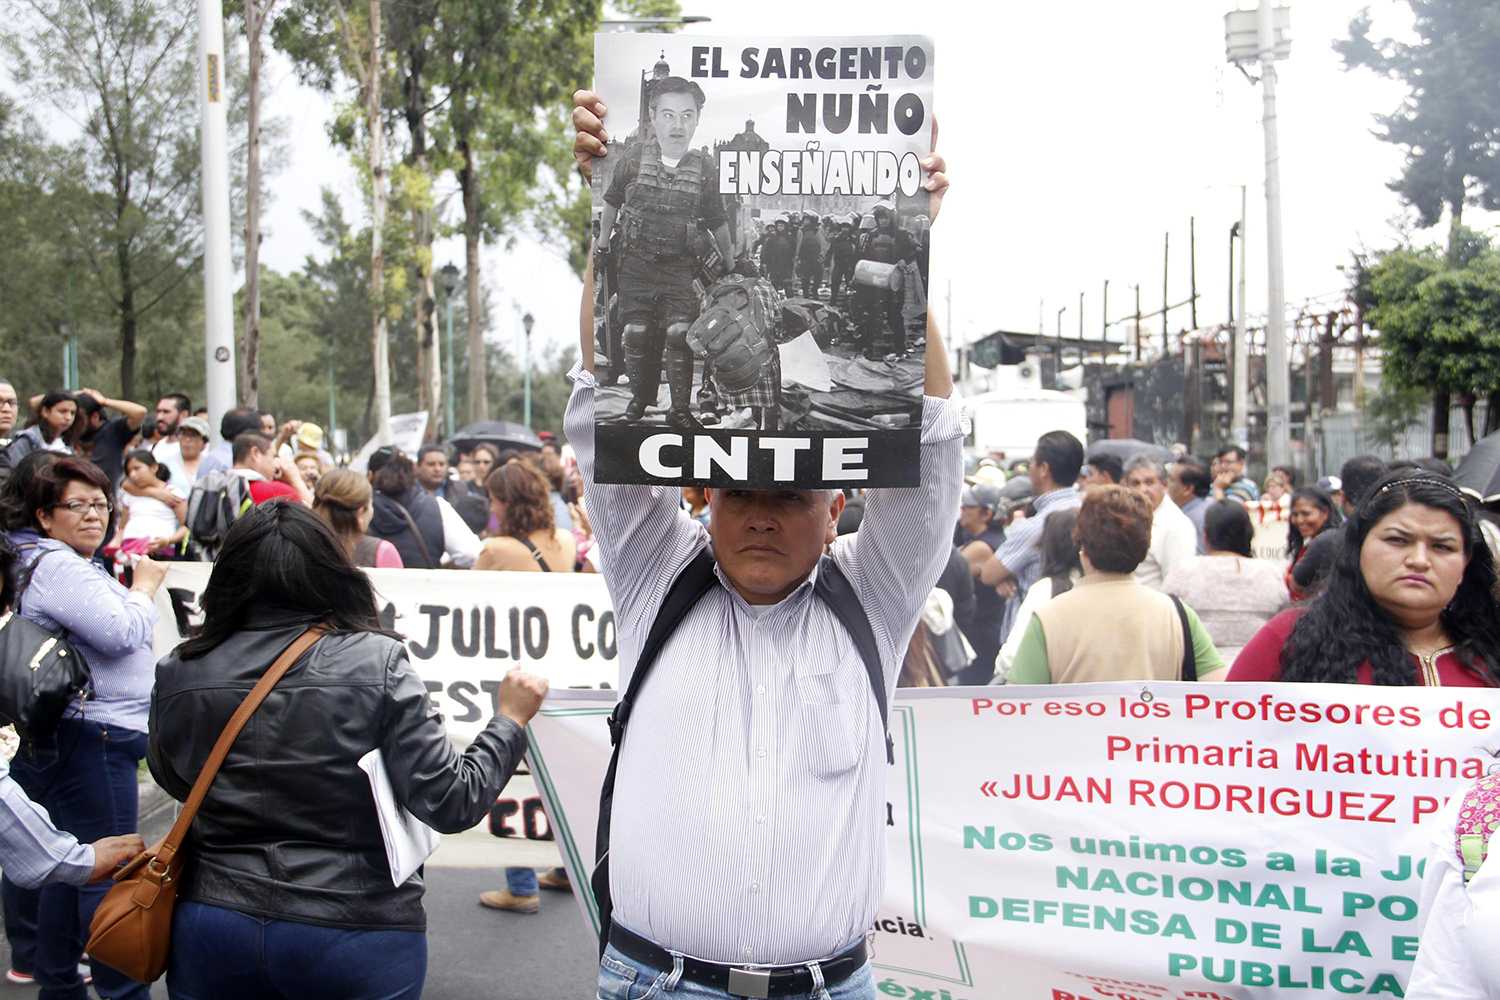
[(769, 613)]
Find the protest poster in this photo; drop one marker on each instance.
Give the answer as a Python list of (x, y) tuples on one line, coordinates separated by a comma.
[(464, 629), (761, 246), (1172, 841)]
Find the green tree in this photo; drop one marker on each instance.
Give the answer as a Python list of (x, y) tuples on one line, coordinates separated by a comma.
[(1449, 122), (1436, 311), (126, 72)]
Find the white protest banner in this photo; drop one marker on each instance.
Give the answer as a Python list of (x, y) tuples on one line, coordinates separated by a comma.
[(756, 189), (464, 629), (1129, 841)]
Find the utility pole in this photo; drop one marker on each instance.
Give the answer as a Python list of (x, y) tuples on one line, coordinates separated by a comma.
[(1080, 326), (1137, 287), (1278, 430), (1058, 377), (213, 137), (1193, 269), (1239, 432), (1166, 252), (1104, 316)]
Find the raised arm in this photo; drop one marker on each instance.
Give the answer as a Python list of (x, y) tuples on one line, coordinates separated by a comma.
[(448, 790)]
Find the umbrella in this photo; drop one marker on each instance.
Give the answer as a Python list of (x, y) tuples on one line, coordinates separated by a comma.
[(1480, 468), (1127, 448), (498, 432)]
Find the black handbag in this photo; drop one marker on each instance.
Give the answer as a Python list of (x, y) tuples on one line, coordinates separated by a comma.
[(40, 675)]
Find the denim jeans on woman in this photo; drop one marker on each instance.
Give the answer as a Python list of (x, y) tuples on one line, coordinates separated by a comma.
[(85, 775), (623, 978), (222, 954)]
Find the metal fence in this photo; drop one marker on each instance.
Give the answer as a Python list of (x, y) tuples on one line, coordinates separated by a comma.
[(1342, 436)]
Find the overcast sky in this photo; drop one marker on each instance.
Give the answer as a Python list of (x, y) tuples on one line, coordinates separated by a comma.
[(1077, 134)]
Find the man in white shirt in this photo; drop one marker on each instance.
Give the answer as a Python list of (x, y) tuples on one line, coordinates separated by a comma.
[(1173, 536), (759, 711)]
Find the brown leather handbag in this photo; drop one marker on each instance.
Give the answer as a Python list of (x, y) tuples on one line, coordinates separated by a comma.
[(132, 927)]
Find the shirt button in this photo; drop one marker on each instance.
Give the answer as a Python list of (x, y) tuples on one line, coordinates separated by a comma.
[(749, 953), (761, 818), (760, 689), (761, 752), (755, 887)]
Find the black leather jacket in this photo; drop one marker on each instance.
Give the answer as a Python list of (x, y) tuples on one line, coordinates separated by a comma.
[(288, 829)]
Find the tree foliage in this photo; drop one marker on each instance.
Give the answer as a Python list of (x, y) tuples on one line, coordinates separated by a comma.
[(1436, 310), (1449, 122)]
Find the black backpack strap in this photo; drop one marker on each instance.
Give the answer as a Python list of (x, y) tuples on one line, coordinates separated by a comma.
[(535, 553), (839, 594), (1189, 658), (695, 580)]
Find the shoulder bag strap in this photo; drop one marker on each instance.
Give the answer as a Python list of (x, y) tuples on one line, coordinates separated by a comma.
[(226, 739), (695, 580), (535, 553), (415, 532), (1189, 658), (839, 594)]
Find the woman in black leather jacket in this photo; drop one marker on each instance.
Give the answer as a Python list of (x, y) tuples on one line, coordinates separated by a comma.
[(288, 892)]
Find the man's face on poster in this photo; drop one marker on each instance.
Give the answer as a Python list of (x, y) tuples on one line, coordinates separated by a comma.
[(675, 119)]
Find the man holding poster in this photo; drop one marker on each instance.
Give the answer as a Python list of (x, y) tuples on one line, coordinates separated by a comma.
[(746, 852)]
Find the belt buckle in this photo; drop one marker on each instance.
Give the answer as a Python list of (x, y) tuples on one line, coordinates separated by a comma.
[(750, 983)]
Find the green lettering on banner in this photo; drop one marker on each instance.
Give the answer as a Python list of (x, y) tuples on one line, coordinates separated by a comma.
[(1404, 949)]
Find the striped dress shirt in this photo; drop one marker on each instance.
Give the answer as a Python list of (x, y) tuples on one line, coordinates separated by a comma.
[(32, 850), (749, 803)]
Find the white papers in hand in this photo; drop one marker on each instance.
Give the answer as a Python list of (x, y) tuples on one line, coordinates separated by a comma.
[(408, 841)]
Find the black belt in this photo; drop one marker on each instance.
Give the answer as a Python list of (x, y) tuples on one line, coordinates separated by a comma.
[(771, 981)]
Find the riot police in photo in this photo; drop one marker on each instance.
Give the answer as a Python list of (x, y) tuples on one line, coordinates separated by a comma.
[(663, 194), (887, 260)]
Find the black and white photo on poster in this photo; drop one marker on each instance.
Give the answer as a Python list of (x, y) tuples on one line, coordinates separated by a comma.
[(761, 259)]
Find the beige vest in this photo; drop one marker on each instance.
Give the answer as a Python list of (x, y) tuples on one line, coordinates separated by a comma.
[(1111, 628)]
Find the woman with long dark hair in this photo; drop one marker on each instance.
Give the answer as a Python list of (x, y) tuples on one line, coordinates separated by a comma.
[(289, 893), (1061, 568), (1233, 592), (1409, 599), (1312, 512), (54, 428)]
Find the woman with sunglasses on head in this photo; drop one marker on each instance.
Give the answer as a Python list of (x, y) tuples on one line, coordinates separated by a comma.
[(1409, 599), (85, 773)]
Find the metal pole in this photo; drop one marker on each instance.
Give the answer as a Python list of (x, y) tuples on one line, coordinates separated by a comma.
[(1137, 287), (1193, 269), (1080, 326), (1240, 432), (451, 418), (218, 293), (1058, 376), (1278, 430), (527, 418), (1104, 317), (1166, 256)]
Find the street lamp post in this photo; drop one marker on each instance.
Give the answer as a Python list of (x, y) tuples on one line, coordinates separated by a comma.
[(527, 321), (449, 276)]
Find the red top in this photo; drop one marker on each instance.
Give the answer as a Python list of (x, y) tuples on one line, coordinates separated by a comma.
[(262, 490), (1260, 660)]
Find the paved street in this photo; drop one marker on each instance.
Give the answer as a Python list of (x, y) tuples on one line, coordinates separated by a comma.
[(472, 952)]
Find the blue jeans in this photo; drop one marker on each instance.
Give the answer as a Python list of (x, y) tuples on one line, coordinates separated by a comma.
[(222, 954), (521, 881), (20, 907), (623, 978), (85, 775)]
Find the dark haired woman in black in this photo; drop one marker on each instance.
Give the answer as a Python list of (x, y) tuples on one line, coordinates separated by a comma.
[(1409, 600), (289, 893), (1312, 513)]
